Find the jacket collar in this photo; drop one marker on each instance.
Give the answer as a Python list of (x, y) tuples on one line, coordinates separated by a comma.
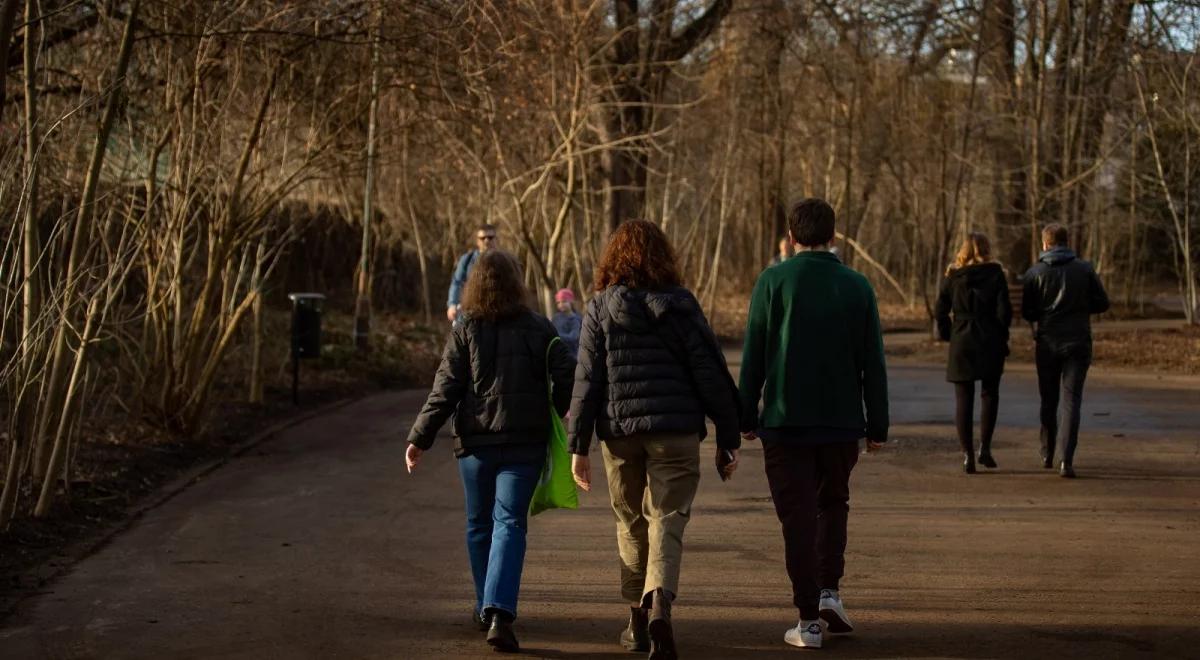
[(818, 255)]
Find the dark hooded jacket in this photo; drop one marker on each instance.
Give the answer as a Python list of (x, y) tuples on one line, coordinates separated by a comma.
[(649, 363), (493, 380), (973, 314), (1061, 291)]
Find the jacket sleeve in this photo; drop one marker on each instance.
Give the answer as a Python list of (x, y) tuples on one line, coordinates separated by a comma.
[(874, 375), (941, 311), (754, 367), (1004, 310), (713, 382), (449, 385), (561, 365), (1097, 298), (591, 382), (1031, 297), (458, 281)]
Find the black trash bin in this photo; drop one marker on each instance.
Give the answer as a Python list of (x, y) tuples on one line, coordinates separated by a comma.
[(306, 333)]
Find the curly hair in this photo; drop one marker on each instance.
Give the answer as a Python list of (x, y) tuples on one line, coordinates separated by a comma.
[(638, 256), (495, 289)]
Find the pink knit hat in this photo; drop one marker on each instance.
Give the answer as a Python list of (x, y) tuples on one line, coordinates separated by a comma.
[(564, 295)]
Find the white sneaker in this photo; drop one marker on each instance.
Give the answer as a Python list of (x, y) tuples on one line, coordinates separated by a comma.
[(806, 635), (833, 613)]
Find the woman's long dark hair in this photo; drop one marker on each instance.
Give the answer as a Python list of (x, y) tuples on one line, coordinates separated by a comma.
[(495, 289), (638, 256)]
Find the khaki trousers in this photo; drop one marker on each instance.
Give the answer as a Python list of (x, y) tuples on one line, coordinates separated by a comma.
[(652, 480)]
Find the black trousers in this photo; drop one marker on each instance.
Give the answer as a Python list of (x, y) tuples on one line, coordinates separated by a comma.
[(1061, 374), (810, 485), (964, 413)]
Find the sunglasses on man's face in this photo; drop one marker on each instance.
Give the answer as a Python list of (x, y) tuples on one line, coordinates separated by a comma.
[(486, 237)]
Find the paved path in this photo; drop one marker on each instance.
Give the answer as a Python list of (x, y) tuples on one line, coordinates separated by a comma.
[(320, 546)]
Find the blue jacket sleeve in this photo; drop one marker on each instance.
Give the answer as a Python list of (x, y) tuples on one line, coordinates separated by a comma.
[(459, 280)]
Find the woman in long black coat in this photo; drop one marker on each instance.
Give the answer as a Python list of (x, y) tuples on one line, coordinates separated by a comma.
[(973, 314)]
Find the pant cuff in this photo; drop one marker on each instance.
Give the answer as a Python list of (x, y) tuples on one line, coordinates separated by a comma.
[(510, 610)]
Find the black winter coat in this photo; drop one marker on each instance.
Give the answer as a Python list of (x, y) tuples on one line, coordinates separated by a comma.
[(973, 314), (493, 380), (650, 363), (1061, 292)]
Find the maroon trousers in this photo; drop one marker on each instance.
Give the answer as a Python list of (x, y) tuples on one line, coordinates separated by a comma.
[(810, 485)]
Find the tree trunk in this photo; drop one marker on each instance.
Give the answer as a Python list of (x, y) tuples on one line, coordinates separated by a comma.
[(362, 299)]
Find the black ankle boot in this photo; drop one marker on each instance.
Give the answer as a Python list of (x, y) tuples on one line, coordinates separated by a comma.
[(968, 463), (662, 635), (985, 458), (636, 636), (500, 632)]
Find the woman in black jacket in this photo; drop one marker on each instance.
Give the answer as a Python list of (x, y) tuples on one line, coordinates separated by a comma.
[(650, 371), (493, 380), (973, 314)]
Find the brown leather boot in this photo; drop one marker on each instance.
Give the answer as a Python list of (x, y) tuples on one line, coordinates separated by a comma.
[(662, 636), (636, 636)]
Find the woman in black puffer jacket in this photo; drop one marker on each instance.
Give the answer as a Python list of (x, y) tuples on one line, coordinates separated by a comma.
[(973, 314), (493, 380), (650, 371)]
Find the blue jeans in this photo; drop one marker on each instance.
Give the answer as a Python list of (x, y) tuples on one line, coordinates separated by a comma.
[(499, 483)]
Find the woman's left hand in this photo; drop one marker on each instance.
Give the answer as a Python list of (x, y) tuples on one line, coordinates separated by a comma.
[(581, 469), (412, 457)]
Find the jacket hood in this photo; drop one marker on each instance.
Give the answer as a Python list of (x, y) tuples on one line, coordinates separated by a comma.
[(978, 273), (639, 310), (1058, 256)]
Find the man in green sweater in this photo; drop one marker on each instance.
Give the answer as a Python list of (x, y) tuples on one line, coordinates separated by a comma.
[(814, 356)]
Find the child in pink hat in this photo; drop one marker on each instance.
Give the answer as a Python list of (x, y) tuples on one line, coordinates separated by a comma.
[(566, 320)]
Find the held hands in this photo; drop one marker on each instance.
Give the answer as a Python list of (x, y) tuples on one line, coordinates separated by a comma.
[(581, 469), (873, 446), (412, 457)]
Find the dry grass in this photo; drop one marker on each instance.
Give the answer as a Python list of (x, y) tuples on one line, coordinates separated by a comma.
[(1173, 351)]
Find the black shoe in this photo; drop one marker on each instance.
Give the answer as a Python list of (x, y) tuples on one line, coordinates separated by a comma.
[(1066, 471), (636, 636), (986, 460), (968, 464), (500, 633), (479, 621), (662, 636), (1048, 462)]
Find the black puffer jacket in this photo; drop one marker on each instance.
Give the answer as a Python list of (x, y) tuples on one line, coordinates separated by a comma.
[(978, 332), (1061, 292), (493, 380), (649, 362)]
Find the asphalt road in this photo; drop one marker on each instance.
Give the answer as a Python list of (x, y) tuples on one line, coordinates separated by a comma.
[(318, 545)]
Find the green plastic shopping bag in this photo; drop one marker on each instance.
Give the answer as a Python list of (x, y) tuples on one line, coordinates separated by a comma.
[(556, 487)]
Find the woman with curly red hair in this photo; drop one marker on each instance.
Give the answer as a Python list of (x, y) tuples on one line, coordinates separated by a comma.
[(650, 371)]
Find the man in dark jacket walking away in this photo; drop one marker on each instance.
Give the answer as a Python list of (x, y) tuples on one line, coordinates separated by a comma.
[(1061, 292), (814, 354)]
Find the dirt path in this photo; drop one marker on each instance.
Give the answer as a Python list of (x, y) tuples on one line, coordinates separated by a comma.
[(319, 546)]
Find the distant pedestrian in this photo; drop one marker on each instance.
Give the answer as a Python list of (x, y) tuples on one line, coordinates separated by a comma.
[(814, 355), (973, 314), (784, 252), (566, 320), (492, 379), (650, 371), (487, 238), (1061, 292)]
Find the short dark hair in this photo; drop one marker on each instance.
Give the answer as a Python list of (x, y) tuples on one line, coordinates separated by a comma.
[(485, 227), (811, 222), (1056, 234)]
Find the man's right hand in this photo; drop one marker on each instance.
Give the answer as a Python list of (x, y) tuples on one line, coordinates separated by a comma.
[(581, 469), (749, 435), (451, 313), (873, 446)]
